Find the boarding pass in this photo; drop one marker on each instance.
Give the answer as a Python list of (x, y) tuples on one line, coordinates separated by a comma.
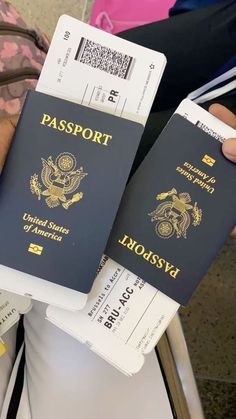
[(121, 308), (11, 306), (99, 70)]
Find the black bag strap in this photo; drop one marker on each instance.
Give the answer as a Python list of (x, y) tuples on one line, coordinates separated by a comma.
[(18, 387)]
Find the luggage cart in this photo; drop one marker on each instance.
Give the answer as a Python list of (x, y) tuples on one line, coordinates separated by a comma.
[(178, 374)]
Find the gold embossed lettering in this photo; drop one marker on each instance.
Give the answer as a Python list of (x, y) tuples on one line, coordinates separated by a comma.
[(123, 240), (69, 127), (147, 255), (46, 118), (62, 125), (160, 263), (107, 138), (131, 244), (139, 249), (174, 272), (53, 123), (77, 129), (87, 134), (154, 259), (97, 137)]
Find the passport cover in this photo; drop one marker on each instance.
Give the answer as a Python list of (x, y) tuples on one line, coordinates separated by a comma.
[(61, 187), (177, 210)]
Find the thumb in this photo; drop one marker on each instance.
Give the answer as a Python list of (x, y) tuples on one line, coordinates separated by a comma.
[(229, 149), (229, 146), (7, 129)]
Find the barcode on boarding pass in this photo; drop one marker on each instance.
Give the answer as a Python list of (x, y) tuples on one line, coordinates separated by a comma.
[(104, 58)]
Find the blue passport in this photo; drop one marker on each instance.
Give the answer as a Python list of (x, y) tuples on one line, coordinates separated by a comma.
[(177, 210), (61, 187)]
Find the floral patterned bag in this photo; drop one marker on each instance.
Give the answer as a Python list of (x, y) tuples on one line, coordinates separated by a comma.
[(22, 54)]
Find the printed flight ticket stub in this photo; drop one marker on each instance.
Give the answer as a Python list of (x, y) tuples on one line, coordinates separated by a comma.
[(122, 307), (11, 306), (204, 120), (90, 67)]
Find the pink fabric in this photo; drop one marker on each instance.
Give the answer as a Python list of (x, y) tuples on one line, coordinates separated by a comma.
[(18, 54), (118, 15)]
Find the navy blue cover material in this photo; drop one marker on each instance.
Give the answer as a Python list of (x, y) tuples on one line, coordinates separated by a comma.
[(61, 187), (177, 210), (186, 5)]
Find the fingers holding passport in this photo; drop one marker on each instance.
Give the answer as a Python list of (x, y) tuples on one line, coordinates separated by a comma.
[(7, 128), (8, 125), (229, 146)]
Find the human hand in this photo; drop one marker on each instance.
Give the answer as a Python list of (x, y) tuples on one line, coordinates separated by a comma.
[(229, 146), (8, 125), (7, 129)]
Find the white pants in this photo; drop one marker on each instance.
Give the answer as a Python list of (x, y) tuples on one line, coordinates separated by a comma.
[(65, 380)]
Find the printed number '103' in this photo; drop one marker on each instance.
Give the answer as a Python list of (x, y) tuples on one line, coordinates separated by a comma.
[(66, 35)]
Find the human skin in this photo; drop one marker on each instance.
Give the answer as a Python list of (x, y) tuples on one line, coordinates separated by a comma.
[(229, 146), (8, 125)]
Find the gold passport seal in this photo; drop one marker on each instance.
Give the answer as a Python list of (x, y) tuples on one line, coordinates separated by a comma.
[(173, 216), (60, 178)]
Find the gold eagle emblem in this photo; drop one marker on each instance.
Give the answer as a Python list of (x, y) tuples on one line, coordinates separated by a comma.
[(173, 216), (60, 178)]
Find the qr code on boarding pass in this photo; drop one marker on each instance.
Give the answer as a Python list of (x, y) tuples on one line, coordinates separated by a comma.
[(104, 58)]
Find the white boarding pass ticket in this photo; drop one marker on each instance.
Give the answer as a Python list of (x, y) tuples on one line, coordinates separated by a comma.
[(39, 289), (100, 341), (11, 306), (102, 71), (205, 121), (120, 305)]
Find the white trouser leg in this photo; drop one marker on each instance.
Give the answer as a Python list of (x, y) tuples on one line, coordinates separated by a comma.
[(66, 380), (6, 362)]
